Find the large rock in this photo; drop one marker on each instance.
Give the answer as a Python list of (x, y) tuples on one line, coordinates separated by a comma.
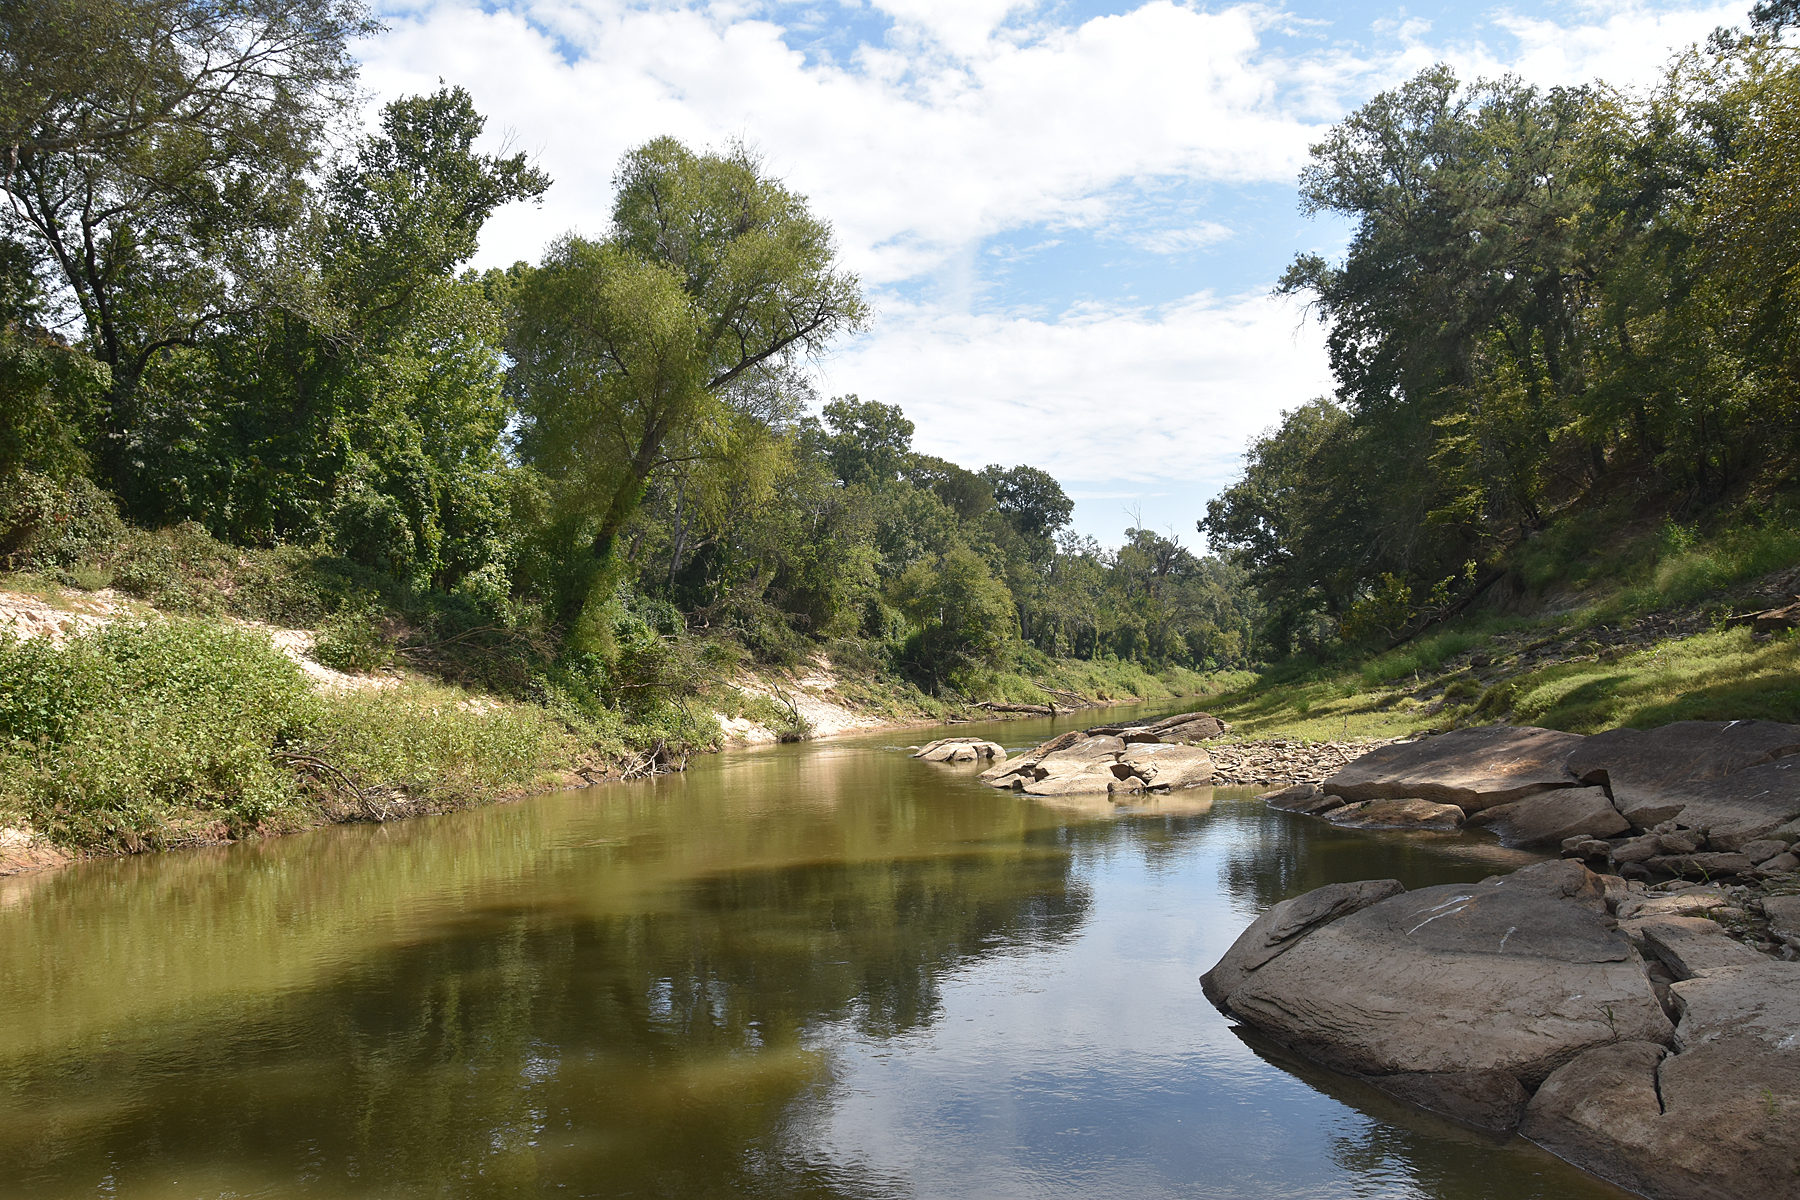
[(1549, 818), (1739, 780), (1285, 924), (1692, 946), (1171, 767), (1397, 814), (960, 749), (1470, 768), (1093, 762), (1719, 1120), (1784, 916), (1504, 975)]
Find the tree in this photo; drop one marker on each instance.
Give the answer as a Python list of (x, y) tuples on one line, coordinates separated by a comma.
[(868, 442), (158, 150), (632, 353), (962, 615)]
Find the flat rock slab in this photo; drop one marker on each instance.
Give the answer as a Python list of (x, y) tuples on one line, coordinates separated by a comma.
[(1396, 814), (1453, 980), (1737, 779), (1719, 1120), (1550, 818), (960, 750), (1285, 924), (1691, 946), (1470, 768)]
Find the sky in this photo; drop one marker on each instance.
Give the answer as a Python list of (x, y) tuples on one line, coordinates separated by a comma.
[(1068, 217)]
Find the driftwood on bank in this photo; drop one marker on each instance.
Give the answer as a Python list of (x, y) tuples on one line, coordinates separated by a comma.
[(1042, 710)]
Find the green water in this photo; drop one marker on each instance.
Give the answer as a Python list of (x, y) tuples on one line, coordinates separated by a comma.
[(825, 970)]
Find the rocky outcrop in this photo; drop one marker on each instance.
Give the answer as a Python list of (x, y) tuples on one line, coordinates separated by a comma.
[(1470, 768), (1148, 756), (1458, 989), (1543, 1000), (960, 749), (1696, 799), (1737, 779), (1717, 1118)]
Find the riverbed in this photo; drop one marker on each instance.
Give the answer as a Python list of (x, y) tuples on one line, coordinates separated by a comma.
[(820, 970)]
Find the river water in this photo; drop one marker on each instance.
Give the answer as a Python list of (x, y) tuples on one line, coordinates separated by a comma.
[(824, 970)]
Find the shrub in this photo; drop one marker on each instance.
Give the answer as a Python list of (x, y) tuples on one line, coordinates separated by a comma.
[(149, 732)]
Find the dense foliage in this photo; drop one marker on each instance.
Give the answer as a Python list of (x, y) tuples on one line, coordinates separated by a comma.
[(1553, 300), (245, 369)]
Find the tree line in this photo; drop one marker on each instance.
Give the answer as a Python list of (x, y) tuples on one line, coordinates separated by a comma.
[(1553, 298), (218, 312)]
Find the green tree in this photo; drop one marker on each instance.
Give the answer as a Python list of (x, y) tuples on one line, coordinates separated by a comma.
[(632, 353), (158, 153)]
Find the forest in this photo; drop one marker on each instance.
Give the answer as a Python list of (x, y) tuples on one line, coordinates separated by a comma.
[(230, 326), (1561, 310)]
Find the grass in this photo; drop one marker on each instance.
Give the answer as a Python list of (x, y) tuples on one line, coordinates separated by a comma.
[(1717, 676), (146, 734)]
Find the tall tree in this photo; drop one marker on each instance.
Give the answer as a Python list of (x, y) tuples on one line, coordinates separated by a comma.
[(632, 353), (157, 150)]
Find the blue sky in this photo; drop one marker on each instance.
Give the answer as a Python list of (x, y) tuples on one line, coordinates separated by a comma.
[(1067, 216)]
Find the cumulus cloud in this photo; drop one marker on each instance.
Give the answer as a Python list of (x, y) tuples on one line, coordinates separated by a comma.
[(935, 129)]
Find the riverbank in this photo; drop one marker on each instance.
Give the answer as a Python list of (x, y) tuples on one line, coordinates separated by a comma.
[(124, 729)]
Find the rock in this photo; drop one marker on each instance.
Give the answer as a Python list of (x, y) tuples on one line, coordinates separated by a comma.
[(1716, 1120), (1689, 946), (1299, 793), (1784, 916), (1319, 805), (1691, 903), (1454, 979), (1285, 924), (1637, 849), (1182, 727), (1549, 817), (1782, 863), (1601, 1113), (1001, 774), (1559, 881), (1084, 750), (1763, 849), (1074, 781), (1470, 768), (1397, 814), (1702, 866), (1491, 1100), (961, 749), (1737, 779), (1168, 767)]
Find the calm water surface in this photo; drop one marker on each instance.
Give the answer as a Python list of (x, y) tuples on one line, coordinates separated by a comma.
[(824, 970)]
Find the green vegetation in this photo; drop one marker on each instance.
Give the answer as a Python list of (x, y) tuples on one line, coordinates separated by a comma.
[(1565, 316), (246, 376), (160, 732)]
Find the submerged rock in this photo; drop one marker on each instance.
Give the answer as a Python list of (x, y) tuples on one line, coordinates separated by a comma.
[(1397, 814)]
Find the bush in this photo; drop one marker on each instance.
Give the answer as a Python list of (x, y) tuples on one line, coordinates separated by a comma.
[(45, 526), (353, 639), (149, 733)]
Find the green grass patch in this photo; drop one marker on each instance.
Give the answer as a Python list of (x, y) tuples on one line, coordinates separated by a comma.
[(1718, 676)]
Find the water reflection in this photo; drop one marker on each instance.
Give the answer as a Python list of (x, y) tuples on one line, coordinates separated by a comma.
[(820, 971)]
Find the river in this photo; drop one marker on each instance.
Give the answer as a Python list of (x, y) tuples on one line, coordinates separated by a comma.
[(822, 970)]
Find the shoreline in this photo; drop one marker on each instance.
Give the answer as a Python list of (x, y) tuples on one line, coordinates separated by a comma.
[(23, 853)]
